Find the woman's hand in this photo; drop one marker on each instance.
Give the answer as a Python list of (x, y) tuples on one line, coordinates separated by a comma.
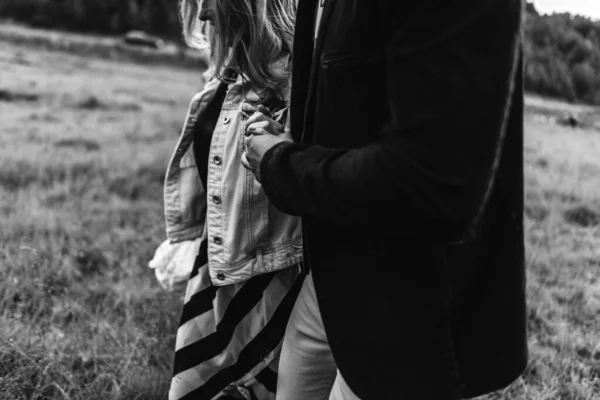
[(173, 262), (259, 122), (262, 133)]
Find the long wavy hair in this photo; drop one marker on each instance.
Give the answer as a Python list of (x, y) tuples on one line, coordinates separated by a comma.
[(248, 35)]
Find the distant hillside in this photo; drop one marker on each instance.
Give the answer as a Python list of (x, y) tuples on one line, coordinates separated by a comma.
[(562, 56), (159, 17), (562, 51)]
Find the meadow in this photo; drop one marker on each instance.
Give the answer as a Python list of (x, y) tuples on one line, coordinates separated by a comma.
[(84, 144)]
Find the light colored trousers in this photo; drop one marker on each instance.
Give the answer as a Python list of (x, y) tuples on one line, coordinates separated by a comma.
[(307, 370)]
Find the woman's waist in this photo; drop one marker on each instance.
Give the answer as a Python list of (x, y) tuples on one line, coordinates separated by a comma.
[(231, 263)]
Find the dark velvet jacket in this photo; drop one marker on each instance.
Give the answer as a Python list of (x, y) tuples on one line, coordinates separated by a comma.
[(407, 169)]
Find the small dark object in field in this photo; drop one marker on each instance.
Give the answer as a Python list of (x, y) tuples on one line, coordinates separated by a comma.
[(570, 120), (8, 96), (537, 213), (139, 38), (584, 352), (582, 216), (92, 103), (542, 163), (17, 298), (90, 262), (86, 144)]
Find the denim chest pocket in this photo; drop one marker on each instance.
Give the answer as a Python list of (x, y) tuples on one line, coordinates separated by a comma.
[(192, 199), (252, 200), (260, 221)]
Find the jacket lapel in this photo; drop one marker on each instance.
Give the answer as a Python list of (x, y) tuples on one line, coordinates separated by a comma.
[(302, 58), (325, 18), (302, 99)]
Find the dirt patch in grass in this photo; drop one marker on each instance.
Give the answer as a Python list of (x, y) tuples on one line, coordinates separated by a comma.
[(78, 143), (9, 96), (93, 103), (583, 216)]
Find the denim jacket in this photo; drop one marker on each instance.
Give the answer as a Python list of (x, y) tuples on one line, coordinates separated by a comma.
[(246, 234)]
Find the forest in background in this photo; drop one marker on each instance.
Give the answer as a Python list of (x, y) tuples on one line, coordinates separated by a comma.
[(562, 50), (562, 56)]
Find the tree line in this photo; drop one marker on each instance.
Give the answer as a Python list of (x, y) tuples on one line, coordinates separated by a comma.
[(562, 56), (562, 51), (159, 17)]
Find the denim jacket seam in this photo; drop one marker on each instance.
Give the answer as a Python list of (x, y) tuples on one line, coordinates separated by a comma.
[(287, 245)]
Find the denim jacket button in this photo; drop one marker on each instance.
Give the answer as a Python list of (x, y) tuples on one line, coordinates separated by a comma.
[(218, 240), (217, 160), (216, 200), (221, 276)]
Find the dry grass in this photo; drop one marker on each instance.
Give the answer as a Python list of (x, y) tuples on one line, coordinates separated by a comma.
[(563, 257), (83, 149)]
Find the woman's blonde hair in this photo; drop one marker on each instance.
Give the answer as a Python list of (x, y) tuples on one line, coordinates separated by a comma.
[(250, 36)]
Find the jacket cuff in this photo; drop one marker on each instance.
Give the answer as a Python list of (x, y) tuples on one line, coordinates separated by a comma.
[(270, 158), (271, 166)]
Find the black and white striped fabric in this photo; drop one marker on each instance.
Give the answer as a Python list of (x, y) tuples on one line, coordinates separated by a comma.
[(229, 337)]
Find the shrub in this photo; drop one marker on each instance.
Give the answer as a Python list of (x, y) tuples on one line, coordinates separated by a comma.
[(562, 56)]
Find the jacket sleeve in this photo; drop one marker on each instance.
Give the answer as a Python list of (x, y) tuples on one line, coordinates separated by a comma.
[(449, 73)]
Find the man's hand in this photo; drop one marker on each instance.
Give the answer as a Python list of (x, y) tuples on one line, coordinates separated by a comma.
[(262, 133)]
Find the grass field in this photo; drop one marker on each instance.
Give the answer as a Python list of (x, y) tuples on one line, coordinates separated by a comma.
[(84, 145), (83, 150)]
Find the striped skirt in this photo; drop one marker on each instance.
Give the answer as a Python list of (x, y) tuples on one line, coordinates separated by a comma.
[(229, 337)]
